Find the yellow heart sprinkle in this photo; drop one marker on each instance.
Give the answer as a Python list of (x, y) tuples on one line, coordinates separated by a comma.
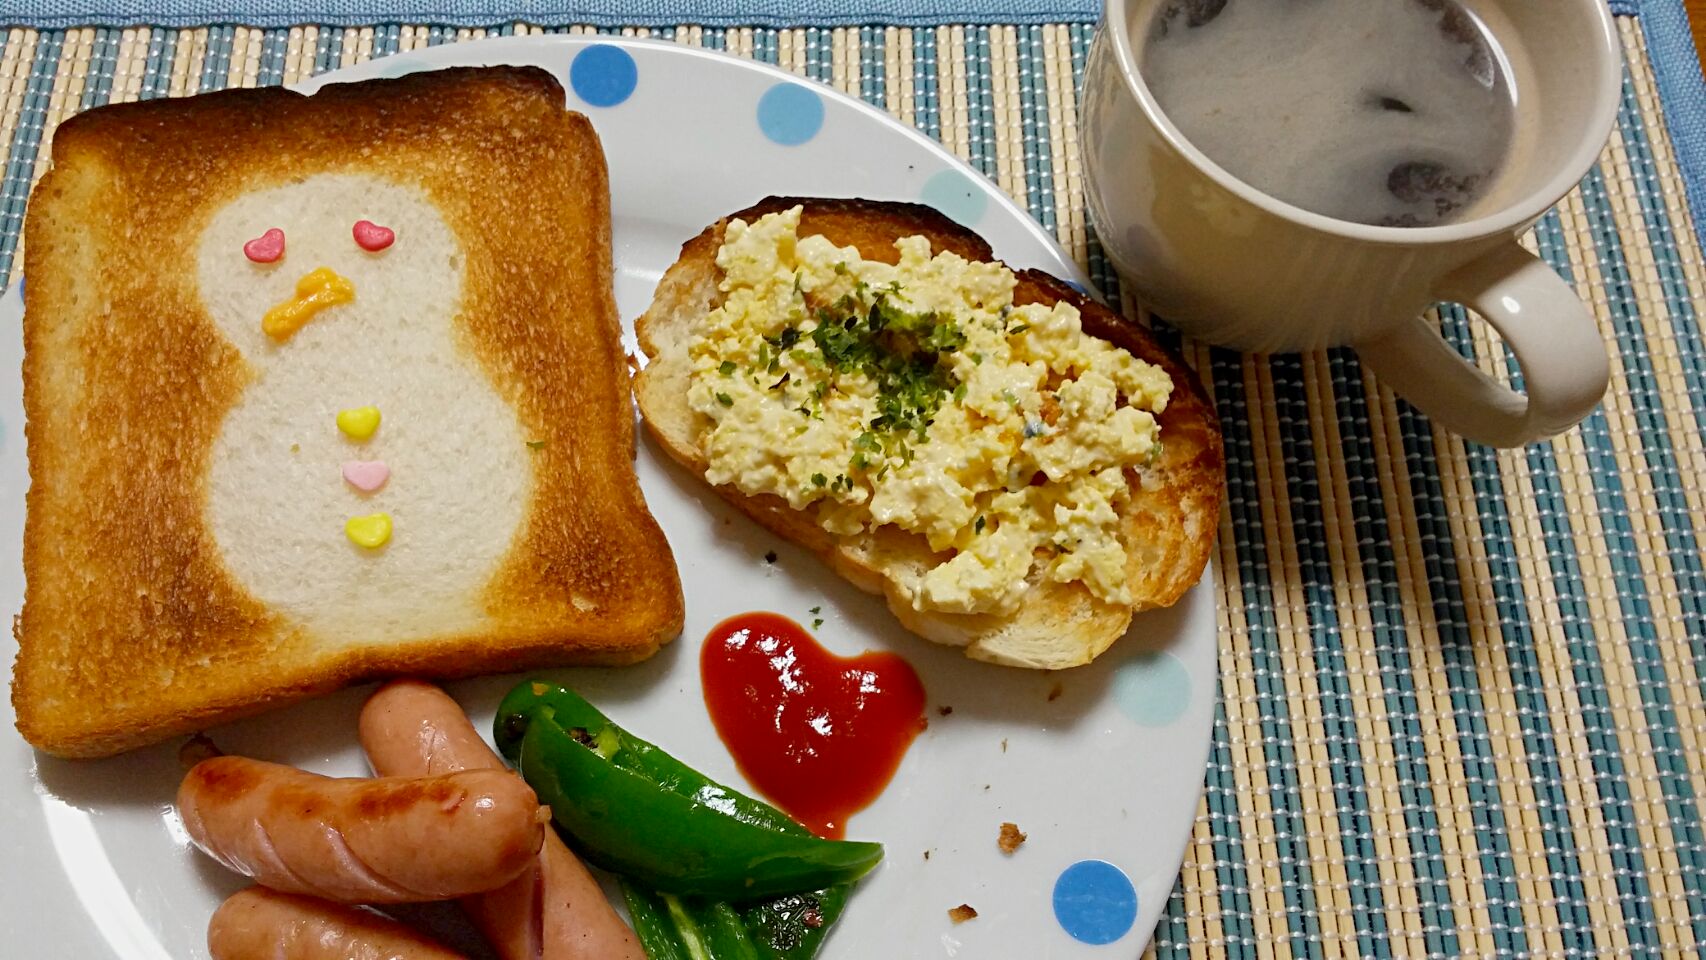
[(371, 531), (359, 424)]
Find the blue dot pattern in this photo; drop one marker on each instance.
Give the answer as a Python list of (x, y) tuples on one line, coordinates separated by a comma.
[(1095, 902), (790, 113), (962, 199), (603, 75), (1153, 689)]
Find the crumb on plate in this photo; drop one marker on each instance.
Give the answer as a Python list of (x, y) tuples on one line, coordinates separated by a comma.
[(945, 710), (962, 913), (1011, 837)]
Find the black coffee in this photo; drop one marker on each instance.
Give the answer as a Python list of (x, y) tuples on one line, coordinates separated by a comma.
[(1387, 112)]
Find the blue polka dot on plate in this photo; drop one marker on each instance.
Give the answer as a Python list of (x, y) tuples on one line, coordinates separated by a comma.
[(603, 75), (962, 199), (1095, 902), (790, 113), (1153, 689)]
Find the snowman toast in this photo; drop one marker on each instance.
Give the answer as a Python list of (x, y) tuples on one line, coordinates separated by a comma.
[(321, 389)]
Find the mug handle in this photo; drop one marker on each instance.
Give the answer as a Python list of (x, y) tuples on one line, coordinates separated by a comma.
[(1555, 339)]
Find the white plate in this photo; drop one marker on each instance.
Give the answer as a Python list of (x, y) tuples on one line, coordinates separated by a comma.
[(95, 864)]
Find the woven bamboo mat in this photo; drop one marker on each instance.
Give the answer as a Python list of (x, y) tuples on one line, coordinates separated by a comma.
[(1463, 690)]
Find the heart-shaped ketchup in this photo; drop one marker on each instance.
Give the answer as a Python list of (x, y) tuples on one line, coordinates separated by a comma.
[(819, 735)]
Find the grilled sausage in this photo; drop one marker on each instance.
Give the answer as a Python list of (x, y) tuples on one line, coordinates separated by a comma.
[(262, 924), (390, 840), (553, 911)]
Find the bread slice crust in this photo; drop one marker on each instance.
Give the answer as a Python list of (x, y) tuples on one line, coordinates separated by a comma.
[(1169, 527), (133, 630)]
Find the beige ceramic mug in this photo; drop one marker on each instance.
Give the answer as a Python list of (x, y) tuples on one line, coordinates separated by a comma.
[(1230, 265)]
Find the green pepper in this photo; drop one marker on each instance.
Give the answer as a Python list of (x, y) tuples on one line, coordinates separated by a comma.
[(634, 810), (670, 928), (790, 927), (625, 750), (793, 927), (656, 928)]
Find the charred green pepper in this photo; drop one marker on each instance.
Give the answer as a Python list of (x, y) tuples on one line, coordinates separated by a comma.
[(793, 927), (631, 808), (790, 927)]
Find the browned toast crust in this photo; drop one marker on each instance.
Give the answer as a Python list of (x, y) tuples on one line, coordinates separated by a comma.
[(1175, 509), (132, 630)]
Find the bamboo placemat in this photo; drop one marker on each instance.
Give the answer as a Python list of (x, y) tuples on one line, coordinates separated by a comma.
[(1463, 690)]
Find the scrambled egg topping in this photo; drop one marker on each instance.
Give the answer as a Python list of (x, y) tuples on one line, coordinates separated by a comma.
[(918, 395)]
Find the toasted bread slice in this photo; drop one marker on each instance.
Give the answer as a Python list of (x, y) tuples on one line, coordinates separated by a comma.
[(185, 545), (1168, 527)]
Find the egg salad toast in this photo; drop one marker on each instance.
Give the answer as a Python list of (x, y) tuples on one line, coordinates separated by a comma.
[(322, 388), (1013, 467)]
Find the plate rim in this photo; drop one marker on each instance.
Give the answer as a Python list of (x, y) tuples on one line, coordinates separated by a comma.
[(1200, 627)]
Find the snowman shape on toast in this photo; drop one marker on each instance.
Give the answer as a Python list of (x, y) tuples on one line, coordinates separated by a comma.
[(286, 477)]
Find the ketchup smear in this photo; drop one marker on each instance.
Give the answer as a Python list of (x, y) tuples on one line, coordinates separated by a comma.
[(817, 734)]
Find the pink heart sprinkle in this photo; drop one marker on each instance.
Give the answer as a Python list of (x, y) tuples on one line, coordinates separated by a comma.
[(366, 475), (372, 237), (265, 248)]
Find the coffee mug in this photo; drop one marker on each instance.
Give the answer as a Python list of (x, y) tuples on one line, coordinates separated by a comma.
[(1230, 265)]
